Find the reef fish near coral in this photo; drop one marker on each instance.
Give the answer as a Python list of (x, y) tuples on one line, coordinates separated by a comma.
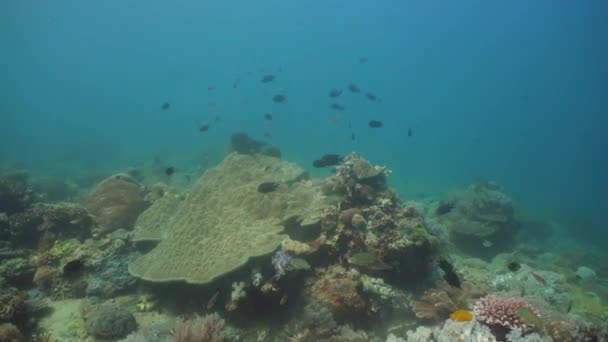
[(267, 187), (461, 316), (327, 160), (368, 260)]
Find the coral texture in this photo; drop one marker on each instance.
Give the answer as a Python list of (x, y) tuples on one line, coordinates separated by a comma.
[(225, 220), (110, 322), (207, 328), (116, 202), (480, 211), (503, 311), (154, 223)]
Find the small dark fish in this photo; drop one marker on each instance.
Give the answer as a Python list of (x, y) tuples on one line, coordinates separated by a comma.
[(410, 133), (352, 136), (202, 127), (268, 116), (335, 93), (363, 60), (375, 124), (336, 106), (278, 98), (267, 78), (170, 170), (236, 83), (165, 106), (267, 187), (450, 275), (371, 96), (327, 160), (513, 266), (354, 88), (211, 88), (213, 300)]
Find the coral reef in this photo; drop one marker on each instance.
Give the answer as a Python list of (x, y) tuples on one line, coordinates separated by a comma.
[(116, 202), (208, 328), (15, 193), (225, 221), (338, 289), (10, 333), (480, 215), (337, 259), (243, 144), (109, 322), (154, 222), (109, 271), (434, 305), (511, 313)]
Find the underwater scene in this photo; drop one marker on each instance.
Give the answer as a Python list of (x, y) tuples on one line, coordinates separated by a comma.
[(302, 171)]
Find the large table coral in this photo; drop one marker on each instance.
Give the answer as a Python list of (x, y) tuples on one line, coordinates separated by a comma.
[(225, 220)]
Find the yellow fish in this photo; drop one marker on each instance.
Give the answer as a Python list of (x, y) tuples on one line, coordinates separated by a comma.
[(461, 316)]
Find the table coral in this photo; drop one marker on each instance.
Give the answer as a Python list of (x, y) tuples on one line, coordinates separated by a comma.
[(225, 221)]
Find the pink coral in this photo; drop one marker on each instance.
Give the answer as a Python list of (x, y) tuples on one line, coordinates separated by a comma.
[(506, 312)]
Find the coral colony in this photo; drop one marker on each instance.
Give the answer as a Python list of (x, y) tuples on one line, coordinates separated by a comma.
[(258, 250)]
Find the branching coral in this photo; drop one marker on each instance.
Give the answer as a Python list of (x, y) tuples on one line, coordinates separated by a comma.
[(512, 313)]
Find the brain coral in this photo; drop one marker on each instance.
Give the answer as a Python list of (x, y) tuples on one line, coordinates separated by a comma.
[(116, 202), (224, 221)]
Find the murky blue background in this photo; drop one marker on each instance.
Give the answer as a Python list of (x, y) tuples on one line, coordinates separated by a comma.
[(514, 91)]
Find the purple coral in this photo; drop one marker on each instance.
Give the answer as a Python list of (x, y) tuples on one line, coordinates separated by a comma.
[(505, 312), (280, 260)]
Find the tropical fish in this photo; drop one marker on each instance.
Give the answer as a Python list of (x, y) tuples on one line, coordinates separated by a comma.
[(202, 127), (267, 78), (371, 96), (461, 316), (170, 170), (212, 300), (450, 275), (268, 116), (368, 260), (327, 160), (337, 106), (375, 124), (410, 133), (513, 266), (539, 278), (267, 187), (529, 317), (353, 88), (335, 93), (165, 106)]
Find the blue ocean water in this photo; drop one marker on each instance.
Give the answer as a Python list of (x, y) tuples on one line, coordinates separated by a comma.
[(513, 92)]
